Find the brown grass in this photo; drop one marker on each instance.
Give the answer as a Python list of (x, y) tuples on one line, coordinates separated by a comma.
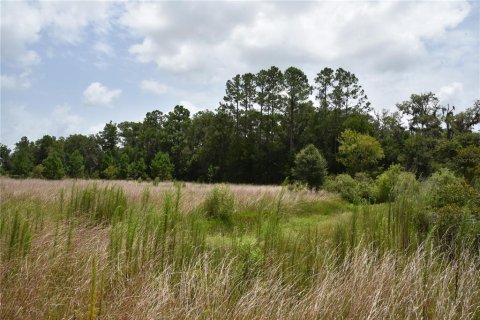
[(61, 280)]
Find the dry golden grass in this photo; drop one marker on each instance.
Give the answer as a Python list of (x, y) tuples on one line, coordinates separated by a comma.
[(192, 193), (68, 273)]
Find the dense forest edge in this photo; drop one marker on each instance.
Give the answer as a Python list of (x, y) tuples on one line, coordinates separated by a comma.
[(254, 135)]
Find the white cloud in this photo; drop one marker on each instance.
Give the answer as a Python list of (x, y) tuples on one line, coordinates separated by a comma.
[(103, 48), (385, 35), (20, 28), (153, 86), (450, 93), (96, 94), (67, 21), (61, 121), (190, 106), (95, 128), (24, 24), (15, 82)]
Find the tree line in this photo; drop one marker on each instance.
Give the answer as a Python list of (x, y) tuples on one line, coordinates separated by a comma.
[(253, 135)]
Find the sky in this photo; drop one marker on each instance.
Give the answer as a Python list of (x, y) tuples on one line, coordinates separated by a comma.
[(70, 67)]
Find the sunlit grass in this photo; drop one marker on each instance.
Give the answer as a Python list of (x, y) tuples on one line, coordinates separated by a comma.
[(103, 250)]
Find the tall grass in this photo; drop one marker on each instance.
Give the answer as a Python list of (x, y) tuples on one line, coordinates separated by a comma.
[(94, 251)]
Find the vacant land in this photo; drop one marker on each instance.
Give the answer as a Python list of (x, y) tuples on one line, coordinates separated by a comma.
[(78, 249)]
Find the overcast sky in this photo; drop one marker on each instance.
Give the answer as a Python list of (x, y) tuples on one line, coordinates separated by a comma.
[(70, 67)]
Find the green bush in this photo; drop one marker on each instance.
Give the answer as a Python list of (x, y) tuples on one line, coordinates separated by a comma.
[(406, 185), (360, 189), (219, 204), (456, 213), (385, 183), (310, 167), (366, 187), (346, 186), (441, 178), (459, 194)]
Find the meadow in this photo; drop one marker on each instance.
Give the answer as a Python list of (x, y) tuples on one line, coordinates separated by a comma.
[(93, 249)]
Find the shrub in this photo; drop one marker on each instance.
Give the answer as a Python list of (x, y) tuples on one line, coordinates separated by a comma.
[(360, 189), (405, 185), (310, 167), (37, 171), (346, 186), (456, 213), (459, 194), (441, 178), (366, 187), (385, 183), (219, 204)]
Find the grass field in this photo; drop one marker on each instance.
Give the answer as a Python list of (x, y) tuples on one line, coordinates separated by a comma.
[(128, 250)]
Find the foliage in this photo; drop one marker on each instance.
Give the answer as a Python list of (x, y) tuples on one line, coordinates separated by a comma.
[(219, 203), (22, 159), (76, 167), (468, 162), (456, 213), (161, 166), (346, 186), (310, 167), (37, 171), (263, 121), (53, 167), (386, 181), (358, 152)]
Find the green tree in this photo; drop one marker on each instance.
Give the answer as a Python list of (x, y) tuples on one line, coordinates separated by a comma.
[(418, 155), (108, 137), (108, 166), (4, 158), (76, 166), (424, 113), (161, 167), (358, 152), (176, 128), (22, 158), (123, 166), (310, 167), (233, 98), (468, 162), (53, 167), (43, 147), (138, 169), (88, 148), (297, 92)]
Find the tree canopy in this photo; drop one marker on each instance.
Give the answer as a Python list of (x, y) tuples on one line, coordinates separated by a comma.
[(255, 132)]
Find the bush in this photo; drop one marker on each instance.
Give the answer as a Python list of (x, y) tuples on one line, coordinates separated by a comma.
[(346, 186), (443, 177), (386, 182), (406, 185), (460, 194), (360, 189), (37, 171), (456, 214), (366, 187), (310, 167), (219, 204)]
